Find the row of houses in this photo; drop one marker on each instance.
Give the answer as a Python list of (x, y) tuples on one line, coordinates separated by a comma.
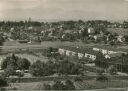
[(89, 52), (104, 51), (77, 52), (109, 53)]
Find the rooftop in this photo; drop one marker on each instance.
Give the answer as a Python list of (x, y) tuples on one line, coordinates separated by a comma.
[(80, 49)]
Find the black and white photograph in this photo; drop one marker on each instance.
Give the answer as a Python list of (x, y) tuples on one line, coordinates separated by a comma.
[(63, 45)]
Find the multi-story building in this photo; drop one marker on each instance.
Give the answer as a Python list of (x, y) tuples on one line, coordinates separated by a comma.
[(78, 52)]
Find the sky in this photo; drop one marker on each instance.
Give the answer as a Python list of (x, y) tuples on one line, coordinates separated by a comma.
[(64, 9)]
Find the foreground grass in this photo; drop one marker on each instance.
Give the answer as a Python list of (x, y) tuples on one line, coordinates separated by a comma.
[(92, 84), (80, 85)]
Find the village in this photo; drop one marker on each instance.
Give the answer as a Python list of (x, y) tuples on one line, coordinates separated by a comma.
[(79, 50)]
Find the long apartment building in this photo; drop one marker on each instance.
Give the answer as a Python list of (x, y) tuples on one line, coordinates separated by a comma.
[(78, 52), (109, 52), (81, 52)]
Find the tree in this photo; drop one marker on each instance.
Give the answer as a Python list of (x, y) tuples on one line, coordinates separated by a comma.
[(9, 71), (1, 39), (112, 70), (102, 78), (11, 60), (47, 87), (39, 68), (23, 64), (15, 62), (68, 67), (101, 61), (3, 82), (69, 85), (36, 68)]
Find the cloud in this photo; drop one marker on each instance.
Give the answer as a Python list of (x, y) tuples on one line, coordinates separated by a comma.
[(18, 4), (63, 9)]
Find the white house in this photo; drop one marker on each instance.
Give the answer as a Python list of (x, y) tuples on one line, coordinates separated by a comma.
[(91, 30), (61, 51), (113, 55), (104, 51), (93, 57), (111, 52), (68, 53), (96, 49), (120, 38), (80, 55)]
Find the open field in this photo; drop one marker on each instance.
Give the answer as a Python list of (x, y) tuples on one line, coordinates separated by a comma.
[(28, 86), (13, 45), (32, 58)]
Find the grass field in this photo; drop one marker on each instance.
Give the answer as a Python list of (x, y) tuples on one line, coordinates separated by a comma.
[(92, 84), (15, 45), (88, 85), (28, 86), (32, 58)]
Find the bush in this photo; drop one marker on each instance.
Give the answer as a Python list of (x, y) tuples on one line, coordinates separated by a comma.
[(3, 89), (9, 71), (41, 69), (69, 85), (15, 62), (102, 78), (58, 85), (63, 85), (3, 82), (23, 64), (47, 87)]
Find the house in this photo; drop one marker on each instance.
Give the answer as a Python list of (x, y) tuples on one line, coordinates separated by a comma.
[(80, 55), (93, 57), (91, 30), (113, 55), (61, 51), (68, 53), (96, 49), (120, 38)]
